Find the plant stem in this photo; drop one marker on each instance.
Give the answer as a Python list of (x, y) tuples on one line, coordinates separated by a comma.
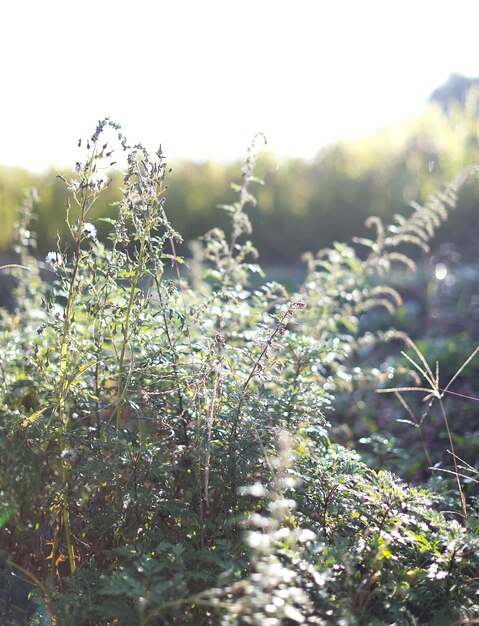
[(454, 458), (43, 590), (122, 389), (84, 205), (280, 326)]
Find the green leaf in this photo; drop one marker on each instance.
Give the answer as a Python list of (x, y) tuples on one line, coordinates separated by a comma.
[(31, 418), (6, 513)]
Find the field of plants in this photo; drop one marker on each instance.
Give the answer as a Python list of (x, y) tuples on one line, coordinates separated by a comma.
[(184, 440)]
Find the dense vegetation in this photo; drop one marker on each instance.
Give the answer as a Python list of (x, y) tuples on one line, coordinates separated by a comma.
[(166, 456)]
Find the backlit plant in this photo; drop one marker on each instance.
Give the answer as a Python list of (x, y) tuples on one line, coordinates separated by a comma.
[(142, 399)]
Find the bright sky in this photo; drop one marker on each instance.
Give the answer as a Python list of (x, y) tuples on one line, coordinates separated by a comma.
[(203, 76)]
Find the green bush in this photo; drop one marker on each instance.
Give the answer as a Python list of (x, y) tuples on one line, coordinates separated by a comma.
[(150, 411)]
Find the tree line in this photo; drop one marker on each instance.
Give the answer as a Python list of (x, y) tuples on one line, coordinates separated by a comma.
[(304, 205)]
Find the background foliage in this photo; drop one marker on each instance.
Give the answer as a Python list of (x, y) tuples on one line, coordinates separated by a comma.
[(303, 205)]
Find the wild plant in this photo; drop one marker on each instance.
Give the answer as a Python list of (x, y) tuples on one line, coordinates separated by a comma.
[(276, 590), (346, 287), (140, 420), (433, 392)]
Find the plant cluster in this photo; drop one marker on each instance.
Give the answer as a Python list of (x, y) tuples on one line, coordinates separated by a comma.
[(165, 456)]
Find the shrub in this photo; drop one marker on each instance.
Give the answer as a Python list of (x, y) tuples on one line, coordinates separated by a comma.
[(138, 400)]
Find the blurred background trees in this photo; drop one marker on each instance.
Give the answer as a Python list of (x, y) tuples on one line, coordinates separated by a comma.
[(303, 205)]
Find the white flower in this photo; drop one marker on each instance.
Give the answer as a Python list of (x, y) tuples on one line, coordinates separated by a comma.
[(89, 231), (257, 490), (259, 541), (303, 535), (53, 259)]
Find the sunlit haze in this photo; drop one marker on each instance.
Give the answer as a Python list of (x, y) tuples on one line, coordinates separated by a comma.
[(202, 77)]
